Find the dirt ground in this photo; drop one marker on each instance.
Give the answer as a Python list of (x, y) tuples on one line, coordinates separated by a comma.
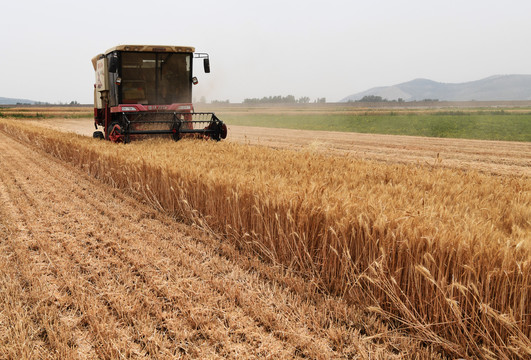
[(496, 157), (88, 272)]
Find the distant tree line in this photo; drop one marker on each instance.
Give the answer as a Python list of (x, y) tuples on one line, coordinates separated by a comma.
[(289, 99), (376, 98), (220, 102), (45, 103)]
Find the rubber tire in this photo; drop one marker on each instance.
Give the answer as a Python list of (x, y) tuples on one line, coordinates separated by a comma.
[(98, 135), (223, 131), (111, 126)]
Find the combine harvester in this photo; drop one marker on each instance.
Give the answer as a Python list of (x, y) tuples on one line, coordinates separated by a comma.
[(145, 90)]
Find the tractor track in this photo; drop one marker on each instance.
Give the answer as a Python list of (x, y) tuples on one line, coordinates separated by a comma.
[(88, 272)]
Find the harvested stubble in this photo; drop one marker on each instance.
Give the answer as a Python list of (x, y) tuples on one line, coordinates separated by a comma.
[(443, 254)]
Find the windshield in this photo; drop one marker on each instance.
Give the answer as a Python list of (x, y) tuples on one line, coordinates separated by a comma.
[(155, 78)]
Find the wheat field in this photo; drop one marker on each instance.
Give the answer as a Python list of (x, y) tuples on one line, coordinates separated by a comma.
[(442, 254)]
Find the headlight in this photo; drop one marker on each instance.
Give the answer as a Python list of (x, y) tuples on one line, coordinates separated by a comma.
[(128, 108)]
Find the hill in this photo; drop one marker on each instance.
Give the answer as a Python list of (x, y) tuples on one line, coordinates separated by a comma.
[(498, 87), (12, 101)]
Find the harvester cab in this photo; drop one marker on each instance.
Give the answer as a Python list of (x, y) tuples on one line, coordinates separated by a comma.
[(144, 90)]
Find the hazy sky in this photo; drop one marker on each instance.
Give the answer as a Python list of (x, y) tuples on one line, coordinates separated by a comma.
[(308, 48)]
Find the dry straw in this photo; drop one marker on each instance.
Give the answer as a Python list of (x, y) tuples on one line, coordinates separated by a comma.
[(444, 254)]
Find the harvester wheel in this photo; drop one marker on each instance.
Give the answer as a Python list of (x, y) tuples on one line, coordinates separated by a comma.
[(114, 132), (223, 134), (98, 135), (220, 131)]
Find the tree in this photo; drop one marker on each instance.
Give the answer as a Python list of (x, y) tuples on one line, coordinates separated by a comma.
[(372, 98), (289, 99)]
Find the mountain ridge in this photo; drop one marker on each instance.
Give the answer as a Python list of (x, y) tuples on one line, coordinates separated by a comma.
[(14, 101), (492, 88)]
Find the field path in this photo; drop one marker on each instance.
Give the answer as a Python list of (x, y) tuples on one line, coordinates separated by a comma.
[(88, 272)]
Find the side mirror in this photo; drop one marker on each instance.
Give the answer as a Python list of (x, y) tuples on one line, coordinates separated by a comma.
[(206, 65)]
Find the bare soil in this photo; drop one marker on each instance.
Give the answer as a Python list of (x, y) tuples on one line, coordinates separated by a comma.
[(89, 272)]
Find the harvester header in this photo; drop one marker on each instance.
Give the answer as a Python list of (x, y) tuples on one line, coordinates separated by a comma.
[(146, 90)]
